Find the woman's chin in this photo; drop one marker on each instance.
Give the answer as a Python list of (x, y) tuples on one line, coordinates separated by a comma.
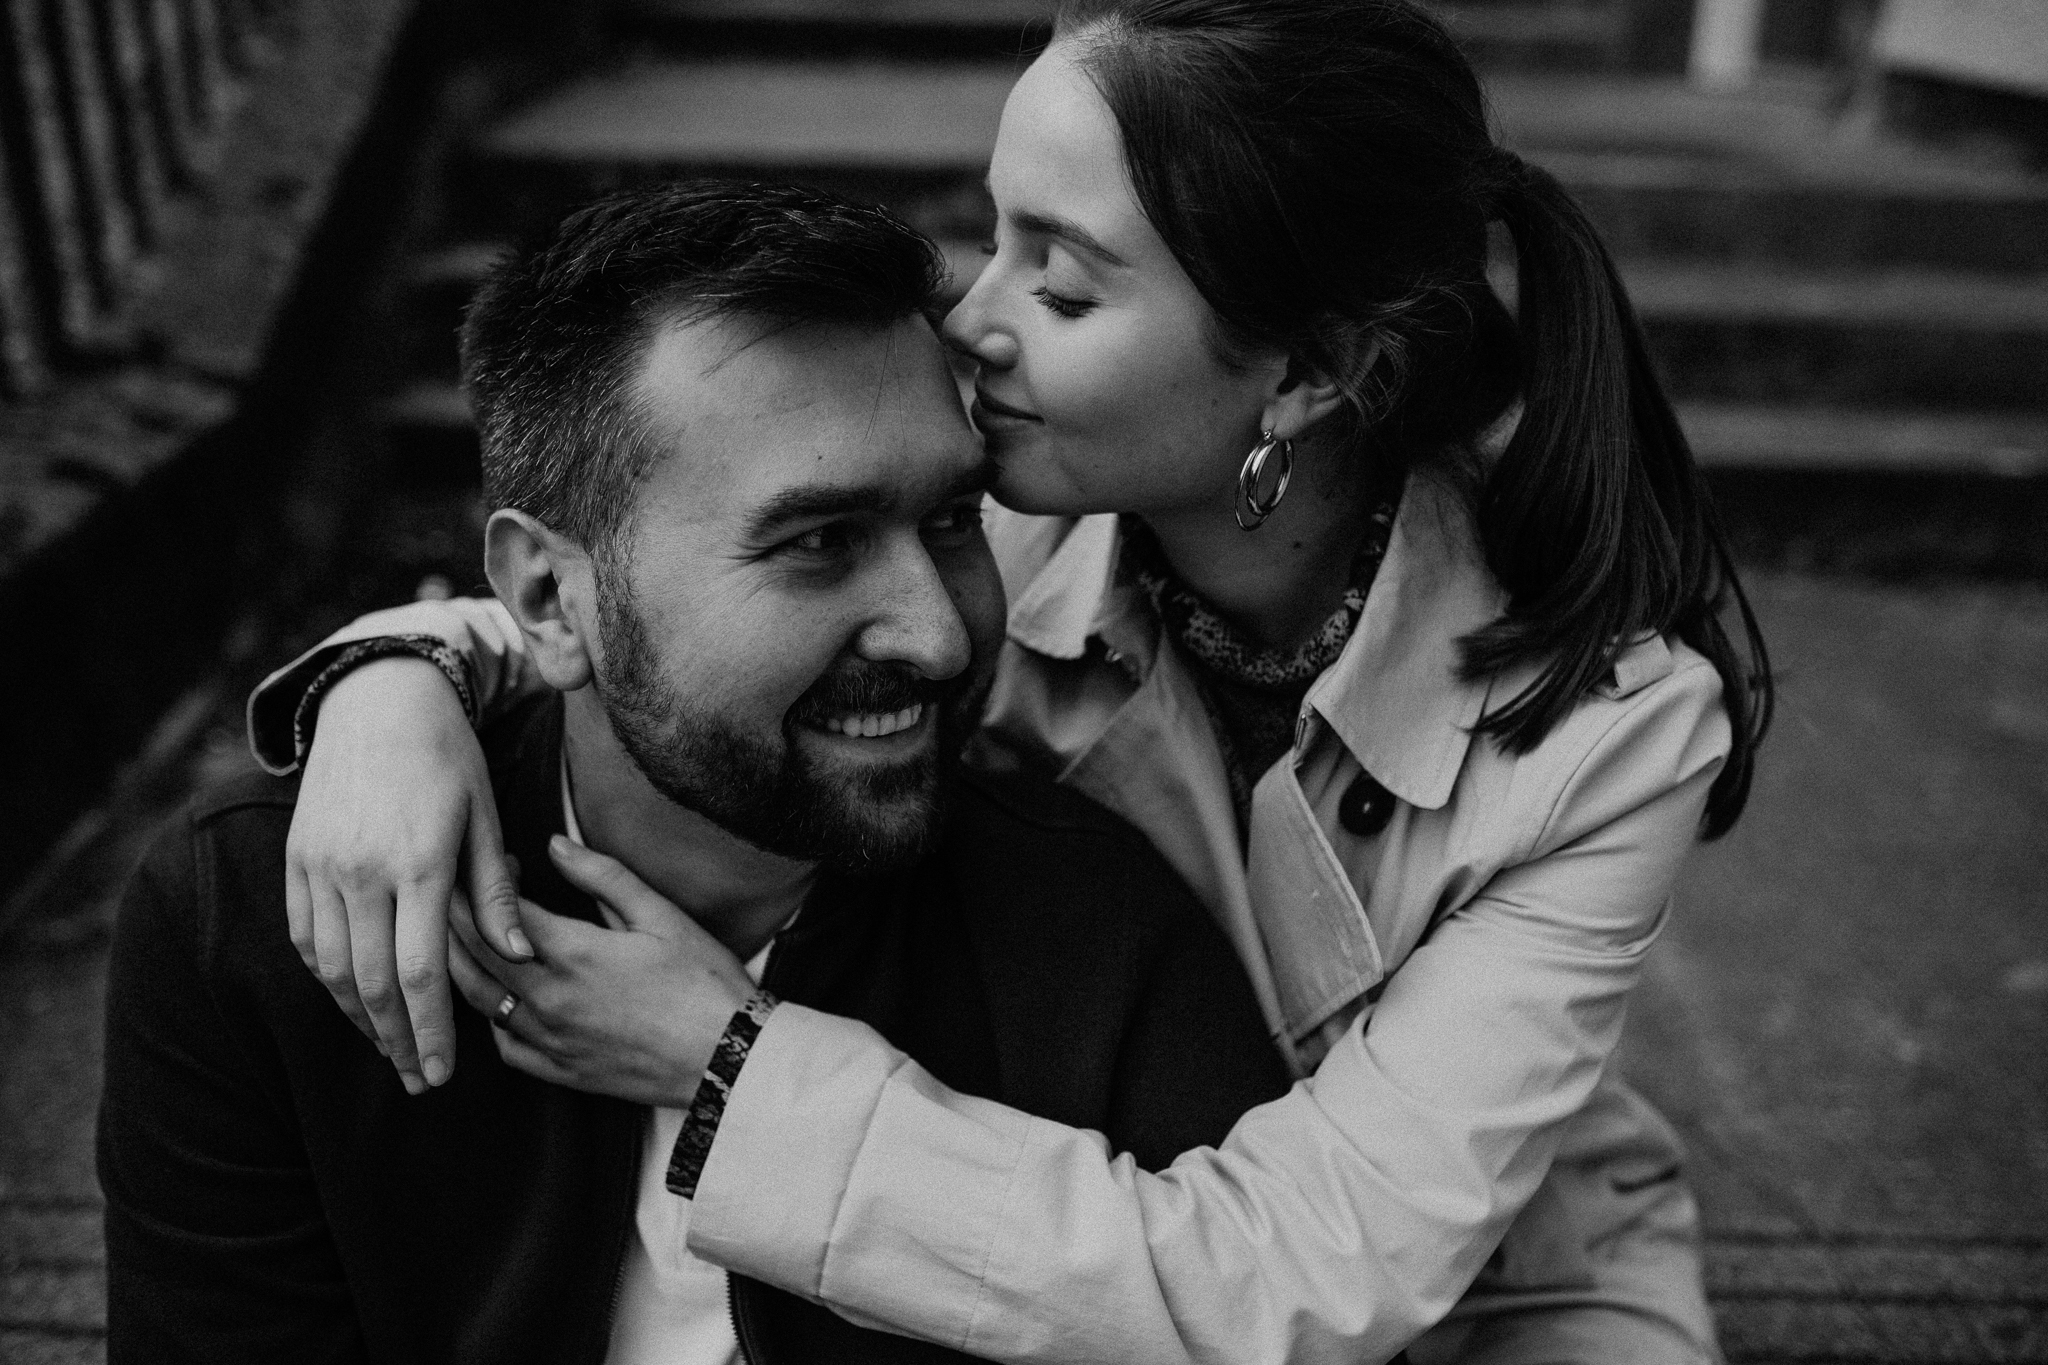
[(1038, 488)]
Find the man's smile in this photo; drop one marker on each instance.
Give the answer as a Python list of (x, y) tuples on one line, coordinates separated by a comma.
[(880, 736), (873, 725)]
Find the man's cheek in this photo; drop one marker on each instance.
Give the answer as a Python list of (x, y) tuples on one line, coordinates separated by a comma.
[(765, 665)]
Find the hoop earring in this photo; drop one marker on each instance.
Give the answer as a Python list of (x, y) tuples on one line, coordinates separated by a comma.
[(1251, 511)]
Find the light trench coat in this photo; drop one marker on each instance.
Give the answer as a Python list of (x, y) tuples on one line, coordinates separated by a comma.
[(1448, 990)]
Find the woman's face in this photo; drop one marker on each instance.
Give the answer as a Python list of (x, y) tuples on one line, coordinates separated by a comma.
[(1099, 387)]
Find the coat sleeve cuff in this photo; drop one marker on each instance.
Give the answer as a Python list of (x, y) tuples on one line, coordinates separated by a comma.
[(793, 1127), (827, 1126), (482, 647)]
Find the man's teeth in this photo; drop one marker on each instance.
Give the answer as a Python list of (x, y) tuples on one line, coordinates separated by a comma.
[(872, 726)]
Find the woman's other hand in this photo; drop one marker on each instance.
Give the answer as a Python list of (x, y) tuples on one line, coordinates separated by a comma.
[(395, 799), (632, 1011)]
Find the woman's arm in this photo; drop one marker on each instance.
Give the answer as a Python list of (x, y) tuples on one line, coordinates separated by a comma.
[(474, 634), (394, 800), (1336, 1223)]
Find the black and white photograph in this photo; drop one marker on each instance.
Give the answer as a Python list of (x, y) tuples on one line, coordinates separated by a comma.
[(1054, 682)]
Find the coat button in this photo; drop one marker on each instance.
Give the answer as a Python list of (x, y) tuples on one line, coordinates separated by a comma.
[(1365, 807)]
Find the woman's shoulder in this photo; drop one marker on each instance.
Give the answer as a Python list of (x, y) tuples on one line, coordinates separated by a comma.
[(1653, 725)]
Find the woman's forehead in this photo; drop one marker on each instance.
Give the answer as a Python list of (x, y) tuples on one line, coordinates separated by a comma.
[(1058, 150)]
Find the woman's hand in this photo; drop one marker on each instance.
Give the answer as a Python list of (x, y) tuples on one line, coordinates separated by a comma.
[(632, 1011), (395, 793)]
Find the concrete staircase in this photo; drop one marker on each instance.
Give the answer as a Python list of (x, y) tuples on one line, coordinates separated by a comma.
[(1820, 302)]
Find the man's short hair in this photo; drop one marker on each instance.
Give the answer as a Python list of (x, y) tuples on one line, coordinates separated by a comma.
[(551, 343)]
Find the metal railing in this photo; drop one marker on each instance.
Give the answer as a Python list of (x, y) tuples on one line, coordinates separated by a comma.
[(107, 111)]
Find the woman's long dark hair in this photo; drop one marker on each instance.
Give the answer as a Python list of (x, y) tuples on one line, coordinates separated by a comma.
[(1325, 172)]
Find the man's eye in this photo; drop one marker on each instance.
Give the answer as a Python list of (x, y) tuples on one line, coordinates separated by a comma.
[(1061, 304), (956, 523), (832, 538)]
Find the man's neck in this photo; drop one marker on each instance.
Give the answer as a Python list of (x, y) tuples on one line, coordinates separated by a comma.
[(738, 893)]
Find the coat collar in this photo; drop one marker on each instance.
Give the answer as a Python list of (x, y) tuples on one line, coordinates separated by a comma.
[(523, 750), (1395, 697), (1073, 596)]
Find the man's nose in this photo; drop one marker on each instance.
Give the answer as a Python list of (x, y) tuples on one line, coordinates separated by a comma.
[(917, 622), (973, 330)]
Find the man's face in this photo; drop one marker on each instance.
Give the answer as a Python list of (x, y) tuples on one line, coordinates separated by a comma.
[(796, 627)]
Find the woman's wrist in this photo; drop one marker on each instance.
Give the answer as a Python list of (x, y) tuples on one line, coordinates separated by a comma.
[(432, 649), (721, 1073)]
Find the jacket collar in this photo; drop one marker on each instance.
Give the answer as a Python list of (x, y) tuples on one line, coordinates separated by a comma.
[(1072, 598), (1395, 697), (523, 750)]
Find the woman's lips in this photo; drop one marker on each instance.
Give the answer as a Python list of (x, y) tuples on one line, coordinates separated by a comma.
[(985, 407)]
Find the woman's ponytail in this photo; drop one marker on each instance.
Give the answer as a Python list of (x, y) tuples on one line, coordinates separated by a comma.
[(1596, 518), (1325, 173)]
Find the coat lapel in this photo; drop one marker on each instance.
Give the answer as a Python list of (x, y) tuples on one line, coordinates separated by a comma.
[(1394, 704), (1156, 763), (524, 753)]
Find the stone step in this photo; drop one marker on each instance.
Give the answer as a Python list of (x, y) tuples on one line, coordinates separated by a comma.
[(986, 16), (1775, 175), (1878, 1270), (1832, 1332), (914, 135), (1895, 338), (1538, 37), (840, 28), (1501, 33), (1760, 436), (1667, 172), (433, 418), (1915, 338)]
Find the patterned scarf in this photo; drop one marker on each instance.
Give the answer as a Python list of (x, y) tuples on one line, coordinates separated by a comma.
[(1253, 691)]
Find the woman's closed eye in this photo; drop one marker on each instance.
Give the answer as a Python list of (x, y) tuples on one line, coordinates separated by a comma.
[(1063, 305)]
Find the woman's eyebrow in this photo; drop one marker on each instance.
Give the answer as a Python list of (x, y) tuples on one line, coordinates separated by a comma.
[(1068, 231)]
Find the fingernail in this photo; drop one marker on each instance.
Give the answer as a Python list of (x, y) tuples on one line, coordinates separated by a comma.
[(559, 845), (435, 1068), (520, 943), (413, 1084)]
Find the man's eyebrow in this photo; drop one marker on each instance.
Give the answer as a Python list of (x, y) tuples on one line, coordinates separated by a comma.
[(813, 502), (1068, 231), (826, 501)]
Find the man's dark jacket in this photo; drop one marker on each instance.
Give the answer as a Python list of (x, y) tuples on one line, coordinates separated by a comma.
[(273, 1195)]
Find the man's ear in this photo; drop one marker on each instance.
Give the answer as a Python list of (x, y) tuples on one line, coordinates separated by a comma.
[(545, 580), (1302, 397)]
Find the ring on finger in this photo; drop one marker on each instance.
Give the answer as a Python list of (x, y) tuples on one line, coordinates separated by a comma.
[(501, 1017)]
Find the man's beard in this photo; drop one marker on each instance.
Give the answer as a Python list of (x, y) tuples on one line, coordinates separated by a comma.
[(773, 795)]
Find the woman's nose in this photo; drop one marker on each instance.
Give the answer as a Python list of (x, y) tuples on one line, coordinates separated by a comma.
[(973, 331)]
